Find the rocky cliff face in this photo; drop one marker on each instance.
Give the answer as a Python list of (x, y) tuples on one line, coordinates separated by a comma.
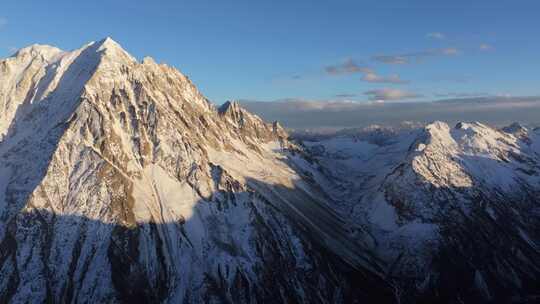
[(120, 182)]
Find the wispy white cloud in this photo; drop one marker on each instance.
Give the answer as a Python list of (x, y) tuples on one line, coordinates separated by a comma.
[(415, 56), (304, 105), (373, 77), (3, 22), (347, 67), (435, 35), (369, 75)]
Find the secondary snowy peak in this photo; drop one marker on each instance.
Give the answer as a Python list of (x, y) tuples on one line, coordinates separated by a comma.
[(515, 127), (47, 52), (518, 131), (469, 139), (433, 156), (470, 153)]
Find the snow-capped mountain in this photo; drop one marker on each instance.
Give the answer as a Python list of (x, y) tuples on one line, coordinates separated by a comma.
[(121, 182), (454, 211)]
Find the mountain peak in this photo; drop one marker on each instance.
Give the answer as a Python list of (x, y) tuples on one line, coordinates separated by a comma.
[(111, 49), (250, 123), (108, 42), (437, 125), (438, 129), (469, 125)]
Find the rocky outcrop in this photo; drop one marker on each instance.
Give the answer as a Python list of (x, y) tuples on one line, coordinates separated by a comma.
[(248, 125)]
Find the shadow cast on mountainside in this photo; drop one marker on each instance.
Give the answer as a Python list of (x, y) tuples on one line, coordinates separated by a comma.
[(38, 125), (484, 243), (71, 253), (46, 255), (489, 248), (63, 99), (34, 133), (29, 144)]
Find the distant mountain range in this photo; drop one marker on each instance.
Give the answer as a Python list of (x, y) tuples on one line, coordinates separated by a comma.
[(358, 112)]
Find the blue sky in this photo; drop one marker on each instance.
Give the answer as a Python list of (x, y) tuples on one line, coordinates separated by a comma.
[(323, 50)]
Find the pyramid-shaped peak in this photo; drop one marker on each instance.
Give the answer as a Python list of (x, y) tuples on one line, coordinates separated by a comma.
[(111, 48), (108, 42)]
